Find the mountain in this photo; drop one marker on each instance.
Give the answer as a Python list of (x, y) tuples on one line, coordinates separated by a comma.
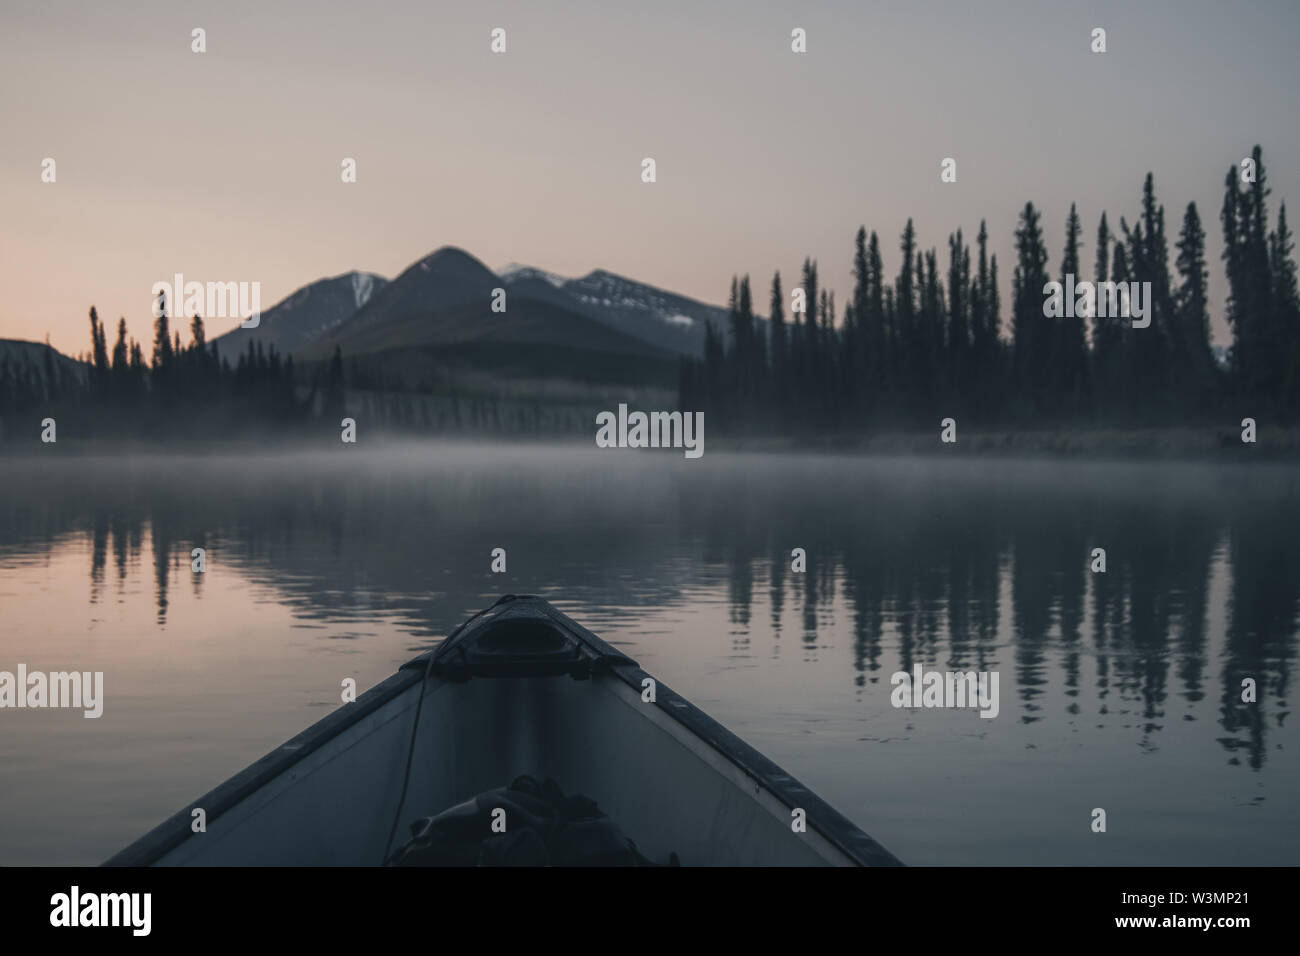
[(443, 280), (433, 327), (663, 319), (360, 311), (305, 315), (434, 323)]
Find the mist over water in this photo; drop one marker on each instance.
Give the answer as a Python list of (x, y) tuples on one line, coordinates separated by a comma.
[(1119, 690)]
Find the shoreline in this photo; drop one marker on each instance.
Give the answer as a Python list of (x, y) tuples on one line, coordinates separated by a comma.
[(1192, 444), (1219, 444), (1280, 443)]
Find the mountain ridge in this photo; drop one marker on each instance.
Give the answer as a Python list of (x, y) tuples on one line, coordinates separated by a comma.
[(305, 314), (663, 318)]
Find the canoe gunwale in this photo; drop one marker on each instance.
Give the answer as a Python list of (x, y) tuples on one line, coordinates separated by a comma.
[(821, 816), (827, 822)]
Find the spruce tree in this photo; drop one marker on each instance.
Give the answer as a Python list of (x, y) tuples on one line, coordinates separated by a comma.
[(1156, 345), (981, 344), (857, 329), (1267, 377), (996, 358), (745, 351), (905, 307), (1105, 342), (99, 345), (1030, 356), (1286, 305), (1195, 364), (876, 333), (1072, 363), (1238, 311), (120, 359), (162, 343), (809, 388), (958, 338), (780, 349)]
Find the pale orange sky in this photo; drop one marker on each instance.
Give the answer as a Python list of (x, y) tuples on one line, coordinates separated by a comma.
[(225, 166)]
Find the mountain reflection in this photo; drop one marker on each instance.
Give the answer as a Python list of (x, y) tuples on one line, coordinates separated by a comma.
[(983, 567)]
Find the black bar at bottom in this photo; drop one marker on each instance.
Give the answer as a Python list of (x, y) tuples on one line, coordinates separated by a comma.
[(333, 906)]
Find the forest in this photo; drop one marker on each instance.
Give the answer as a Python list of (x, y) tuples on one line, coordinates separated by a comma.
[(932, 342)]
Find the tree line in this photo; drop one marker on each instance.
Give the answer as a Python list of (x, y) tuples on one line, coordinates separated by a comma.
[(931, 343), (181, 389), (191, 390)]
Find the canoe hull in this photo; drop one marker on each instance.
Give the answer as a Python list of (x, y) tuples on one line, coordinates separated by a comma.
[(673, 779)]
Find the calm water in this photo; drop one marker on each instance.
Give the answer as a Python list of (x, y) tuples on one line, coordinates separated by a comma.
[(1118, 690)]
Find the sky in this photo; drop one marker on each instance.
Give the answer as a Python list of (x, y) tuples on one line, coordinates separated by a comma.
[(225, 165)]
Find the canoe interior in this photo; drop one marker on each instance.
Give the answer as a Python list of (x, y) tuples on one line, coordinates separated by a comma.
[(672, 779)]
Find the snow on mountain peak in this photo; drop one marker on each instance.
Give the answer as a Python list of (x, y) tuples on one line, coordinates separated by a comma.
[(363, 286), (516, 271)]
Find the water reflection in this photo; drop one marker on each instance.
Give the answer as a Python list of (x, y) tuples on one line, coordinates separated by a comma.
[(972, 566)]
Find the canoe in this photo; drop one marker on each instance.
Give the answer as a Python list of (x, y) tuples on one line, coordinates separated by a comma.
[(519, 688)]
